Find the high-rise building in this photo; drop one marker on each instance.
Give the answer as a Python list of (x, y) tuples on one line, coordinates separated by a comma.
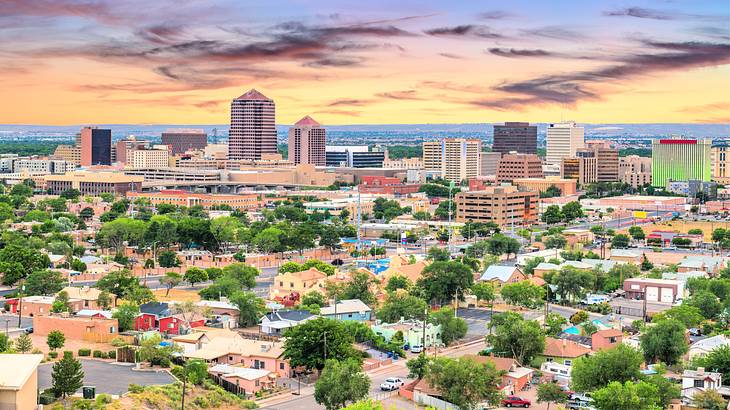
[(96, 146), (680, 160), (583, 168), (563, 140), (515, 136), (490, 163), (157, 156), (353, 156), (127, 144), (721, 163), (182, 140), (606, 160), (516, 166), (253, 126), (458, 159), (307, 142), (503, 205), (635, 170), (69, 153)]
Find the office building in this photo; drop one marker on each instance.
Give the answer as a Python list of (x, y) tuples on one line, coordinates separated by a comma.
[(128, 144), (307, 142), (402, 163), (353, 156), (607, 162), (515, 136), (566, 186), (563, 140), (242, 202), (93, 183), (157, 156), (515, 166), (692, 188), (635, 170), (458, 159), (680, 160), (582, 168), (721, 163), (47, 166), (490, 163), (69, 153), (182, 140), (253, 126), (503, 205), (96, 146)]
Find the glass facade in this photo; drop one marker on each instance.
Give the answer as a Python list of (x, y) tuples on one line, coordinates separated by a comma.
[(680, 160)]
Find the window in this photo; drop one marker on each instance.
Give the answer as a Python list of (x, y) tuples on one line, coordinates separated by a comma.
[(699, 383), (612, 339), (281, 366), (568, 362), (230, 358)]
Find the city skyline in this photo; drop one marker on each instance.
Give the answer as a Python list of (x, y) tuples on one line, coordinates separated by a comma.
[(411, 62)]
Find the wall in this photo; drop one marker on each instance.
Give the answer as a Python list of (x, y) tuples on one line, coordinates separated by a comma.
[(426, 400), (75, 328)]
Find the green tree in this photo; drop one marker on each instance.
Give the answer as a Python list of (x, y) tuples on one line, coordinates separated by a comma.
[(139, 295), (554, 323), (618, 364), (630, 395), (689, 316), (709, 400), (550, 393), (516, 337), (442, 281), (118, 283), (418, 366), (637, 233), (55, 339), (572, 283), (572, 211), (43, 282), (706, 302), (531, 264), (24, 343), (620, 241), (104, 300), (341, 382), (125, 315), (717, 360), (86, 213), (359, 287), (214, 273), (552, 215), (452, 328), (484, 291), (313, 298), (523, 293), (396, 282), (667, 389), (250, 307), (464, 382), (305, 344), (555, 241), (244, 274), (401, 305), (170, 280), (437, 254), (168, 259), (67, 376), (17, 261), (195, 275)]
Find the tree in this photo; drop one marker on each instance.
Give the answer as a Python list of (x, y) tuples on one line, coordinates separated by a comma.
[(709, 400), (620, 241), (689, 316), (555, 241), (244, 274), (552, 215), (118, 283), (418, 367), (401, 305), (718, 360), (551, 192), (531, 264), (170, 280), (578, 317), (214, 273), (630, 395), (396, 282), (637, 233), (516, 337), (168, 259), (464, 382), (305, 344), (437, 254), (250, 307), (61, 303), (572, 283), (195, 275), (86, 213), (359, 288), (55, 339), (483, 291), (104, 300), (125, 315), (115, 233), (139, 295), (554, 324), (618, 364), (23, 343), (17, 261), (667, 389), (706, 302), (152, 351), (313, 298), (43, 282), (572, 211), (67, 376), (523, 293), (550, 393), (452, 328), (500, 244), (441, 281), (645, 264), (341, 382)]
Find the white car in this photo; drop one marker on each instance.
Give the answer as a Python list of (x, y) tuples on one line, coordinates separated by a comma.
[(416, 349), (391, 383)]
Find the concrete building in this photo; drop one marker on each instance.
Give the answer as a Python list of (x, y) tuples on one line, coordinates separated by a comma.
[(353, 156), (386, 185), (181, 140), (503, 205), (96, 146), (517, 166), (307, 142), (19, 381), (128, 144), (48, 166), (680, 160), (175, 174), (563, 140), (566, 186), (515, 136), (69, 153), (693, 187), (607, 162), (90, 329), (402, 163), (583, 169), (93, 183), (654, 290), (457, 158), (244, 202), (720, 155), (634, 170), (253, 127), (490, 163), (157, 156)]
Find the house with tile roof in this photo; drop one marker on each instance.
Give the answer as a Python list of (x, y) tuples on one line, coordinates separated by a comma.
[(606, 339), (562, 351), (502, 275)]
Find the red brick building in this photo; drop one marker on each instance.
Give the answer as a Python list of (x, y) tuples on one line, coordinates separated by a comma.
[(376, 184)]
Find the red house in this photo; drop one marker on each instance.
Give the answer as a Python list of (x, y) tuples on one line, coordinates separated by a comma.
[(176, 324), (145, 321), (150, 315)]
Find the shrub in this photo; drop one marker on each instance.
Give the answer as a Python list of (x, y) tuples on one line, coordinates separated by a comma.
[(46, 397), (135, 388), (52, 355), (84, 352), (165, 362), (112, 354), (97, 353), (103, 398)]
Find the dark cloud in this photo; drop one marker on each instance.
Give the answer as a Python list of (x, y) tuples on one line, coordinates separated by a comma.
[(467, 30), (349, 103), (451, 56), (495, 15), (716, 33), (513, 52), (653, 14), (400, 95), (161, 34), (334, 62)]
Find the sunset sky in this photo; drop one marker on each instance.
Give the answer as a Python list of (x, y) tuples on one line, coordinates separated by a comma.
[(68, 62)]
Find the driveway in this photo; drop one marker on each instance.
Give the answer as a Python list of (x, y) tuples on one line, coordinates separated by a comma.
[(107, 377)]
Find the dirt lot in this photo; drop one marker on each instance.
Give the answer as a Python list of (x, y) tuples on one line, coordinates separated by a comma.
[(178, 295), (684, 226), (39, 342)]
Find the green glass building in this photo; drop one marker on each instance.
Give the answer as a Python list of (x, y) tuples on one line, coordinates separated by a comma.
[(680, 160)]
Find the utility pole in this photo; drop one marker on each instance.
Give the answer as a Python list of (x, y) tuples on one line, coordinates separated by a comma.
[(20, 303), (423, 342), (325, 346), (185, 381), (456, 302), (547, 303)]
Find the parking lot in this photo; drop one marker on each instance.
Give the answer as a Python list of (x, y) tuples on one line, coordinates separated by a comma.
[(108, 377)]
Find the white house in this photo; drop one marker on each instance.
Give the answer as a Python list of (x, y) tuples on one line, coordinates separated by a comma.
[(694, 381), (704, 346), (274, 323)]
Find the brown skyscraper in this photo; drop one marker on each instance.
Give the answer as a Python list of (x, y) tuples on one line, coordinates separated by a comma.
[(96, 146), (253, 126), (307, 142), (181, 140), (515, 136)]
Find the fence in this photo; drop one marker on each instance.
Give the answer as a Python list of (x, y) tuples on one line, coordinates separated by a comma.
[(426, 400), (105, 337), (258, 336)]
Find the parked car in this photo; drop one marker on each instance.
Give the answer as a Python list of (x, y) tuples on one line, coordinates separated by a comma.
[(391, 383), (514, 401), (416, 349)]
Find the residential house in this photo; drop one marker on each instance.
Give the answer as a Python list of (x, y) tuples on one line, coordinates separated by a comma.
[(57, 261), (300, 283), (604, 265), (95, 313), (562, 351), (710, 264), (514, 376), (413, 332), (502, 275), (228, 347), (32, 306), (544, 267), (274, 323), (89, 295), (654, 290), (19, 381), (191, 342), (150, 314), (90, 329), (181, 323), (249, 381), (685, 276), (625, 255), (694, 381), (578, 236), (401, 266), (224, 313), (606, 339), (348, 309), (705, 346)]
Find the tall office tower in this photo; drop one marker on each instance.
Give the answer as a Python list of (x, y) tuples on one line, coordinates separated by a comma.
[(563, 140), (307, 143), (516, 166), (680, 160), (635, 170), (253, 126), (515, 136), (353, 156), (70, 153), (458, 159), (721, 163), (182, 140), (606, 160), (490, 163), (127, 144), (96, 146), (583, 168)]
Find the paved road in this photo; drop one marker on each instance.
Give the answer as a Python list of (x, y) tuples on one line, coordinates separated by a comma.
[(13, 321), (107, 377)]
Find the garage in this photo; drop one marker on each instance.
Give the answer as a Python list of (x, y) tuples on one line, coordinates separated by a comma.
[(667, 295), (652, 294)]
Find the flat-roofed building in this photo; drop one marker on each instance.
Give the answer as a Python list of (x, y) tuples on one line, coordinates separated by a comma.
[(503, 205), (607, 161), (720, 155), (635, 170), (563, 140), (458, 159), (680, 160), (69, 153), (244, 202), (19, 381), (181, 140), (515, 166), (158, 156), (94, 183), (175, 174), (515, 136), (490, 163), (127, 144), (583, 169), (566, 186), (96, 146)]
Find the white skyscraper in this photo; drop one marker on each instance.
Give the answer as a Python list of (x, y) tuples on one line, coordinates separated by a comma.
[(563, 140)]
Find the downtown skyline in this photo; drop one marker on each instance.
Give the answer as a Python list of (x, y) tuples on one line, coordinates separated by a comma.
[(70, 62)]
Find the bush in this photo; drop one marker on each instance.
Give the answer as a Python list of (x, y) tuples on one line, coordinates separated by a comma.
[(97, 354), (52, 355), (112, 354), (84, 352), (103, 398), (135, 388), (46, 397)]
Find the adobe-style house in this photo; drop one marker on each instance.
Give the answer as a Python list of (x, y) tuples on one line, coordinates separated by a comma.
[(606, 339), (248, 381), (78, 328), (89, 295), (32, 306), (19, 387), (301, 283)]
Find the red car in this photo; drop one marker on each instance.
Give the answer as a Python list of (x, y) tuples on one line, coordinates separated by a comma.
[(514, 401)]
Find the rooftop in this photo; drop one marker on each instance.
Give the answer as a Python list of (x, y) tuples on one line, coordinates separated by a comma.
[(307, 121), (346, 306), (501, 273), (22, 365), (564, 348), (253, 94)]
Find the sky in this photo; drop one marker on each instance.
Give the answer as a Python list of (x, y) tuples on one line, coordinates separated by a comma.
[(68, 62)]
